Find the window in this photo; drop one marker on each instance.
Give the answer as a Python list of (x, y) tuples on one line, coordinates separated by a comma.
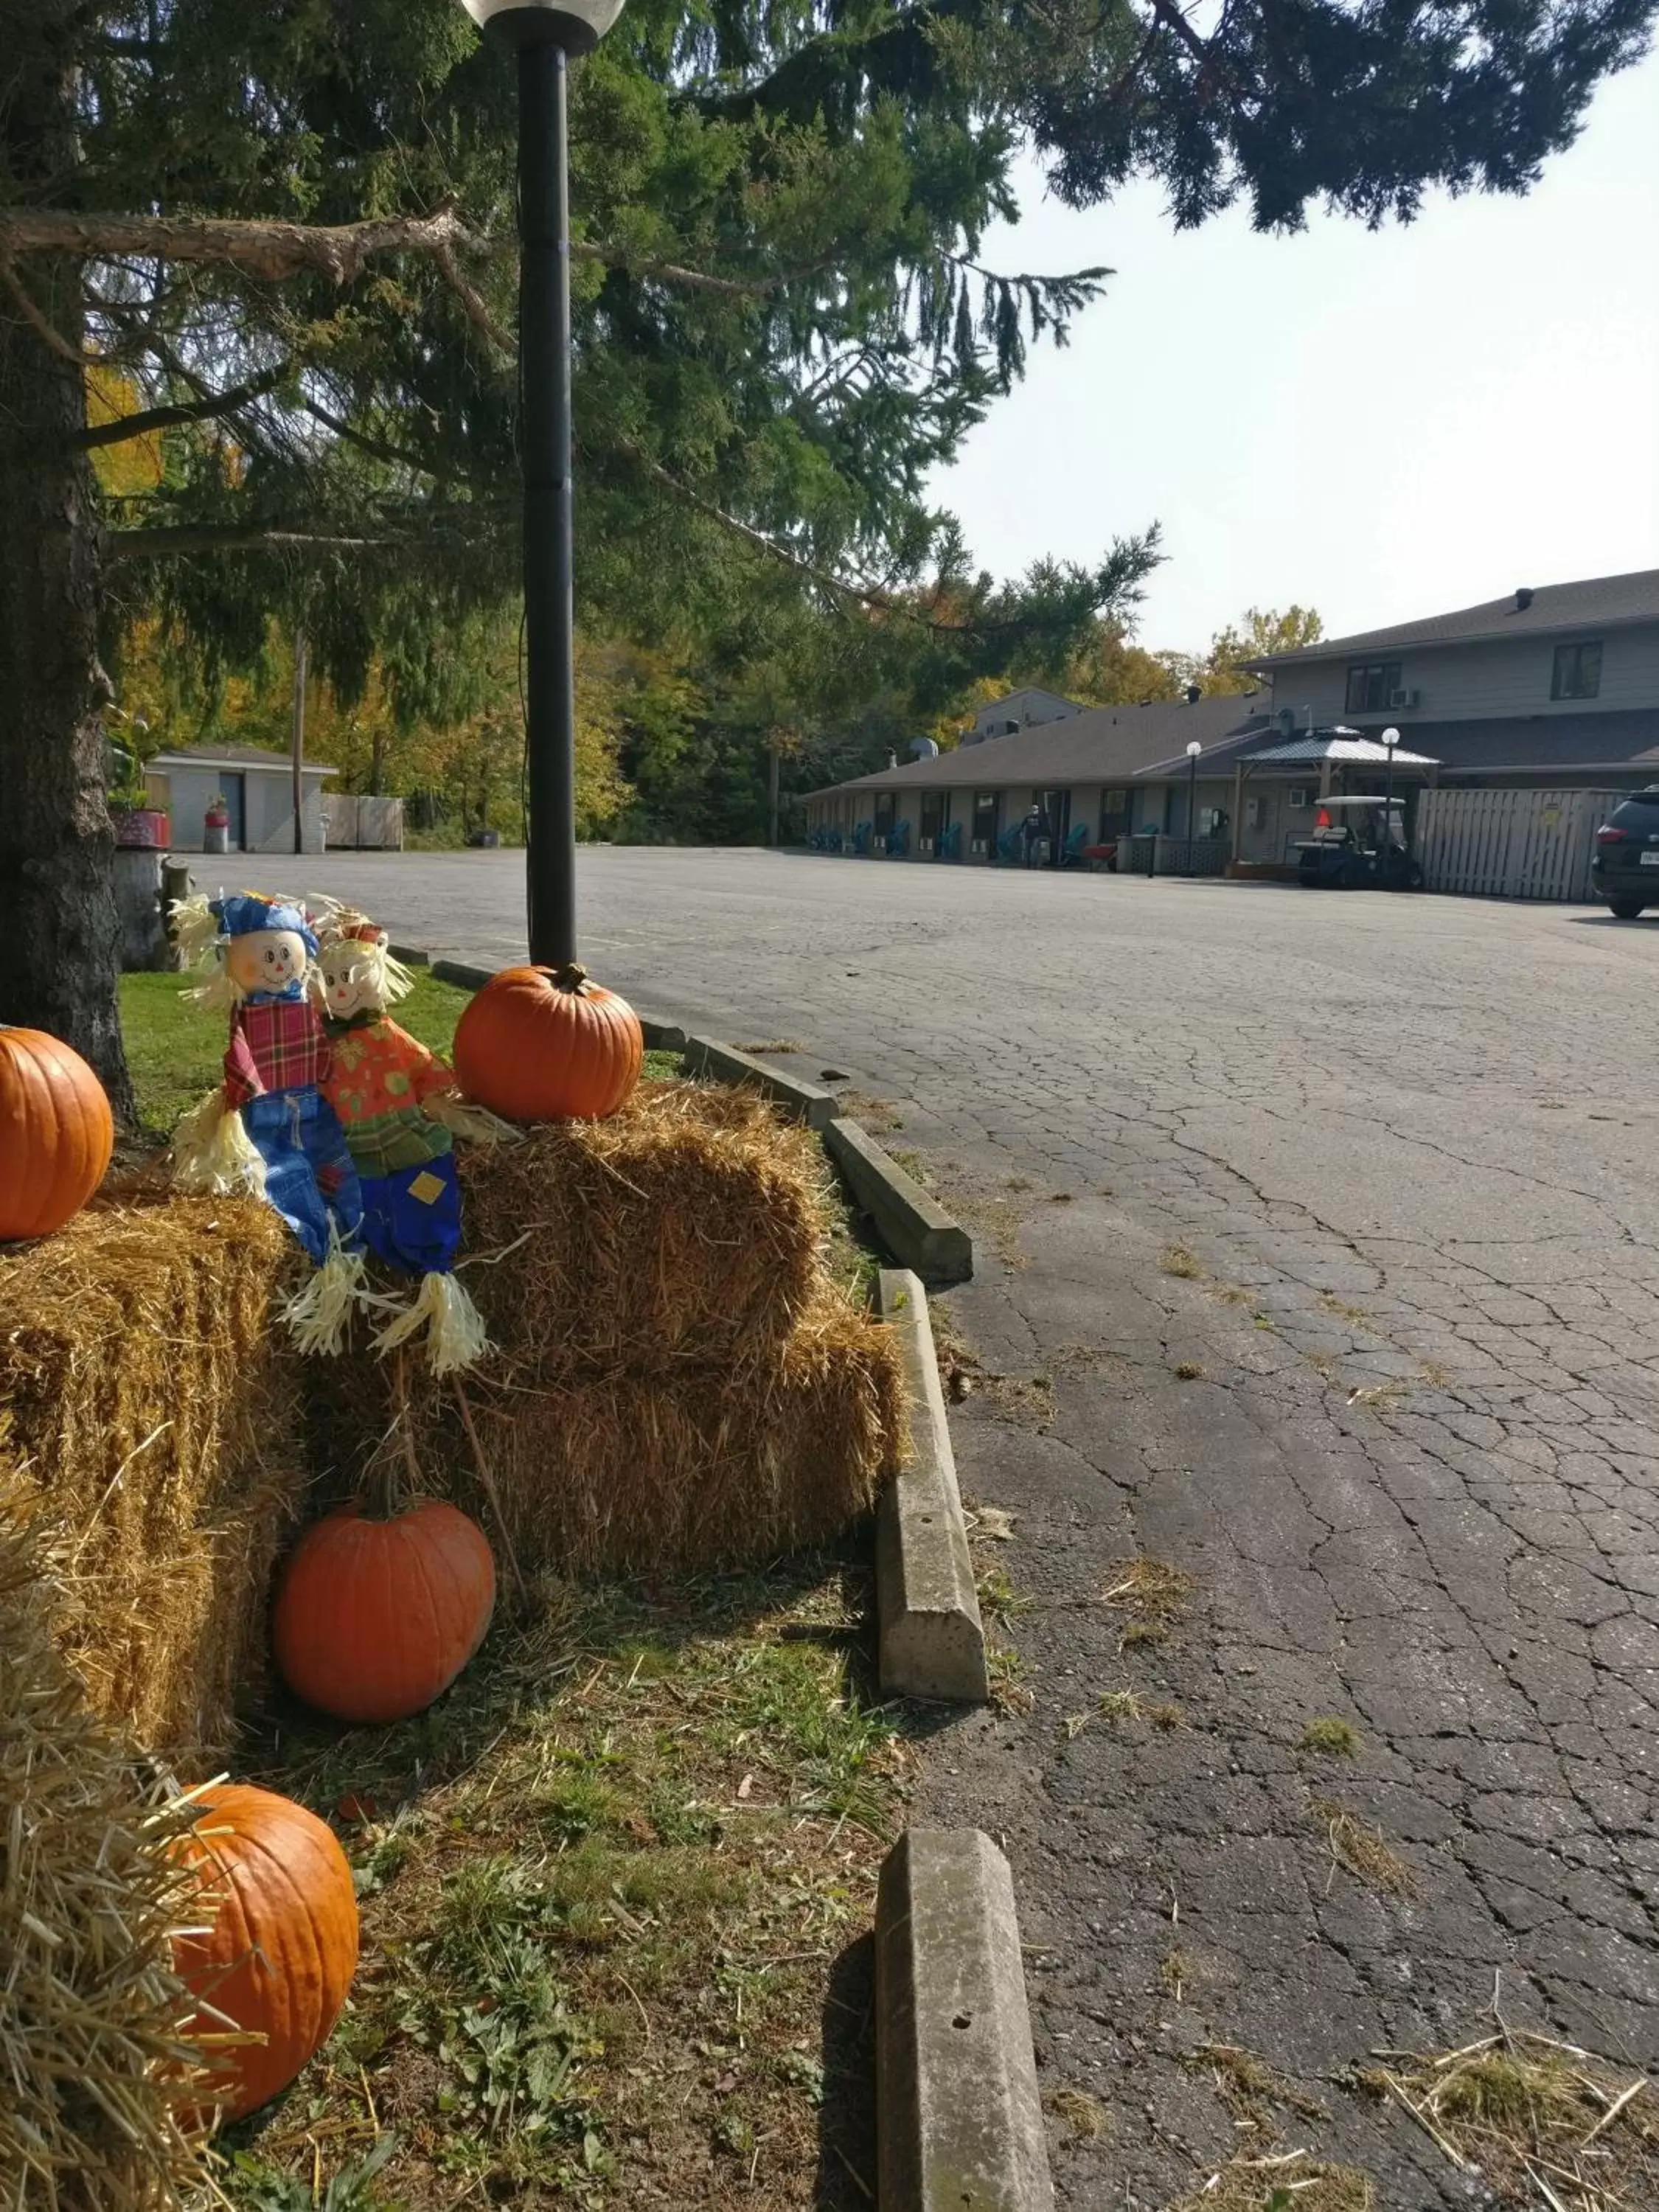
[(1302, 796), (933, 813), (1577, 672), (1369, 685), (884, 814), (985, 816)]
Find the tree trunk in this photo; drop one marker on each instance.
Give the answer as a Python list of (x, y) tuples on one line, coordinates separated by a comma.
[(59, 935)]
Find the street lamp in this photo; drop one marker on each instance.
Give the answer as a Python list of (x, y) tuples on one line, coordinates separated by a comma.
[(545, 36), (1194, 748), (1390, 739)]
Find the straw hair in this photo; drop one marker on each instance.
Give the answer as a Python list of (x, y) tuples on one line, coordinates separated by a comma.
[(155, 1411), (92, 2071)]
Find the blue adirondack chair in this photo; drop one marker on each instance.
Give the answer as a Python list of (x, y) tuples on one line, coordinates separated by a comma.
[(1011, 844), (898, 844), (948, 846), (1072, 856), (861, 836)]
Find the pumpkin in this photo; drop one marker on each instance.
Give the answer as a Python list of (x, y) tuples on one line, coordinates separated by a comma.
[(278, 1956), (374, 1619), (56, 1133), (541, 1044)]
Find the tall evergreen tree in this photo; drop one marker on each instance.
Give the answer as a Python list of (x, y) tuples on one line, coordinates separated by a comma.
[(286, 228)]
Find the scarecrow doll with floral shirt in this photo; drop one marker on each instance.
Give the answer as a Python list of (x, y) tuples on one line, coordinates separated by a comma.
[(269, 1129), (400, 1107)]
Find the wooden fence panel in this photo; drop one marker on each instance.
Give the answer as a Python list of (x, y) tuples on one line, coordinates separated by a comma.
[(1510, 844)]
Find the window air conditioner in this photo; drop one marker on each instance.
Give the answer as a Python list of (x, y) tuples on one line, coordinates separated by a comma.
[(924, 844), (1405, 698), (1303, 795), (879, 844), (979, 845)]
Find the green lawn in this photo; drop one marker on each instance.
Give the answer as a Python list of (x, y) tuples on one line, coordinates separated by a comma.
[(175, 1050)]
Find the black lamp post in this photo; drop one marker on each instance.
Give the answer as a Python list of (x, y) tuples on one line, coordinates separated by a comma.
[(545, 36), (1390, 739), (1194, 748)]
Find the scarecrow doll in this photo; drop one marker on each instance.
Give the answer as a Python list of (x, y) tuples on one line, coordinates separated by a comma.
[(268, 1128), (400, 1107)]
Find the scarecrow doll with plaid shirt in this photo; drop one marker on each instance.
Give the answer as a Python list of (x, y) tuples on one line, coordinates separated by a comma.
[(269, 1128)]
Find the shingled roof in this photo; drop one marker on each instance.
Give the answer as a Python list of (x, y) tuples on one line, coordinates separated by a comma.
[(1595, 603), (1103, 745)]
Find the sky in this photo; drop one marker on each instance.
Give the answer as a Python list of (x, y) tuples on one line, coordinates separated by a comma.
[(1383, 424)]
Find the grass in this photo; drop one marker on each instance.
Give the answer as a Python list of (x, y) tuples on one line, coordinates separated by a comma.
[(1248, 2086), (1175, 1971), (1188, 1371), (774, 1044), (1330, 1737), (1176, 1259), (1361, 1850), (1539, 2121), (613, 1887), (1150, 1590)]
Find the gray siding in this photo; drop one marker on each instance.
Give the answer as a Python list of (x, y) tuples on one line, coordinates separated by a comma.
[(1470, 683), (268, 808)]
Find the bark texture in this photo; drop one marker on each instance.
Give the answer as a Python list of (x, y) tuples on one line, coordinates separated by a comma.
[(59, 959)]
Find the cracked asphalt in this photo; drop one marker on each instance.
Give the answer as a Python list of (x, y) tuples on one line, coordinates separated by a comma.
[(1319, 1260)]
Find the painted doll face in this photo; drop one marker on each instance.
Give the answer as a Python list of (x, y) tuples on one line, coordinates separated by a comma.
[(351, 981), (266, 959)]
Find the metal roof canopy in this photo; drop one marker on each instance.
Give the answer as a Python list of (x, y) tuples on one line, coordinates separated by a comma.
[(1339, 745)]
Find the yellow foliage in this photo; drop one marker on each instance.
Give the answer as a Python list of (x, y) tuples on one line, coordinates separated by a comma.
[(135, 464)]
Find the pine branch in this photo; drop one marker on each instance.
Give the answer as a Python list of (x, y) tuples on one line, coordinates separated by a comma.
[(166, 541), (272, 250), (187, 410)]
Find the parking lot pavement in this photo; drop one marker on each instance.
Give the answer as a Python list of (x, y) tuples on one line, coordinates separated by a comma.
[(1319, 1242)]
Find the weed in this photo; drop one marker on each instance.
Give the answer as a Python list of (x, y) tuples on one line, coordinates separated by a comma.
[(247, 2183), (1285, 2181), (877, 1115), (1361, 1850), (1543, 2122), (1231, 1294), (1188, 1371), (913, 1164), (1175, 1971), (1438, 1377), (1380, 1395), (1343, 1311), (1263, 1321), (1009, 1691), (1061, 1197), (1085, 2116), (774, 1044), (1120, 1705), (1247, 2085), (1166, 1717), (1176, 1259), (1150, 1589), (1073, 1725), (998, 1596), (1017, 1183), (1139, 1632), (1331, 1737)]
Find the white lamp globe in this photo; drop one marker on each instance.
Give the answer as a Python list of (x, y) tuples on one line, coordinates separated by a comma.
[(1391, 738), (1193, 747), (576, 25)]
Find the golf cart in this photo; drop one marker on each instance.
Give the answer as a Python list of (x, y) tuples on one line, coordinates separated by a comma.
[(1357, 843)]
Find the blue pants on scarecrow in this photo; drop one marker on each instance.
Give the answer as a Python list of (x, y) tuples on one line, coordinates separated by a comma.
[(412, 1217), (309, 1177)]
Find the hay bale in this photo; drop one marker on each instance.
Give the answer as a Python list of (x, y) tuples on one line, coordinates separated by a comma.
[(701, 1468), (685, 1231), (155, 1410), (92, 2070)]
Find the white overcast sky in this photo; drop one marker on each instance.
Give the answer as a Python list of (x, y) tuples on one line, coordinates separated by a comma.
[(1383, 424)]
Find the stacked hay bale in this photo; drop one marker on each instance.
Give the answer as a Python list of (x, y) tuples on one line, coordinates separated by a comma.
[(93, 2073), (678, 1380), (154, 1413)]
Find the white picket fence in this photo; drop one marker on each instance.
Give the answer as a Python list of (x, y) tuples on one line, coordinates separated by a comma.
[(1510, 844), (363, 824)]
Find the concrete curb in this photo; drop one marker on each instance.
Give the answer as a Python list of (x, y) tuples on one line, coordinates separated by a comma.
[(916, 1229), (805, 1101), (411, 955), (932, 1639), (958, 2115), (462, 973)]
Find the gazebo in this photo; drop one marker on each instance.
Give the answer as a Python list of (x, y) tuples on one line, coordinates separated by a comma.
[(1333, 757)]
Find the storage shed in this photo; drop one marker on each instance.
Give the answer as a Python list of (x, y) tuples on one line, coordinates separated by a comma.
[(256, 785)]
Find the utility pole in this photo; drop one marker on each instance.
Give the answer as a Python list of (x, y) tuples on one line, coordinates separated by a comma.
[(299, 741)]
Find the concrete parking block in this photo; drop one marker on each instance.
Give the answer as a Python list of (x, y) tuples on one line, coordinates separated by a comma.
[(958, 2115), (930, 1636), (411, 955), (463, 974), (805, 1101), (913, 1226)]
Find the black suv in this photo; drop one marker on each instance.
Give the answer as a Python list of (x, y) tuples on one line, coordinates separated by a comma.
[(1626, 870)]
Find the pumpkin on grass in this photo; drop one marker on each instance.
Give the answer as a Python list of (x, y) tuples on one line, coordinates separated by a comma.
[(375, 1617), (543, 1044), (278, 1944), (56, 1133)]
